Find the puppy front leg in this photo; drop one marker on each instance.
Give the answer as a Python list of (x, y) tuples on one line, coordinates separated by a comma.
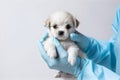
[(50, 49), (72, 54), (52, 52)]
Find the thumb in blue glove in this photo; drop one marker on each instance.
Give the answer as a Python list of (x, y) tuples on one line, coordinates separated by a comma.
[(82, 41)]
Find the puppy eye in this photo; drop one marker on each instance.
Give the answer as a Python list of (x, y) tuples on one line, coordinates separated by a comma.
[(68, 26), (55, 26)]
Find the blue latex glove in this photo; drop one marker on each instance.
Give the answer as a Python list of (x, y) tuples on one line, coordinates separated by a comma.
[(84, 69), (82, 41), (61, 62)]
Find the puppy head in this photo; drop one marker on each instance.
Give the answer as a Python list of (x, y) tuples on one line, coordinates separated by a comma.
[(61, 24)]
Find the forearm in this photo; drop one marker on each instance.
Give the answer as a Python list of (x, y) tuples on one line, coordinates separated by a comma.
[(100, 52), (92, 71)]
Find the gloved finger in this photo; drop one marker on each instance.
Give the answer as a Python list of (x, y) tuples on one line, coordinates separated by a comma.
[(44, 37), (43, 52), (81, 40), (51, 62), (61, 51), (76, 37)]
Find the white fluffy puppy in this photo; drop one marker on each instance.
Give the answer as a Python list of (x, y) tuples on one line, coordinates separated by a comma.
[(60, 24)]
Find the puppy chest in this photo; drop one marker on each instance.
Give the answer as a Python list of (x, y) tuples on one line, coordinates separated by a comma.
[(67, 44)]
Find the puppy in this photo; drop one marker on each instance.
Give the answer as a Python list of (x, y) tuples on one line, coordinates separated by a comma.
[(60, 25)]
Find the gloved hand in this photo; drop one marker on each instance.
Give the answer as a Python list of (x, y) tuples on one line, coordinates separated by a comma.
[(61, 62), (82, 41)]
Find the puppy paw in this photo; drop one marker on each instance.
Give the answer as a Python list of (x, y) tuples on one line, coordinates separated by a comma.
[(72, 54), (52, 53), (58, 75), (72, 60)]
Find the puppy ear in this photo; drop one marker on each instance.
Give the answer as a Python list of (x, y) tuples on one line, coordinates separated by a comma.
[(76, 23), (47, 23)]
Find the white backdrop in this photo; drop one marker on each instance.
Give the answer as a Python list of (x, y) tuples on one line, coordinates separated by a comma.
[(21, 25)]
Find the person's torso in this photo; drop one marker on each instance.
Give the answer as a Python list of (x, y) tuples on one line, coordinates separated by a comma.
[(117, 52)]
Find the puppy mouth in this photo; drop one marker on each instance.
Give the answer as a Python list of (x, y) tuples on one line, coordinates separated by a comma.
[(62, 37)]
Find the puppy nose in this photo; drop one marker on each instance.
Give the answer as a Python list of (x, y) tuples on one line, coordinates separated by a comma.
[(60, 33)]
